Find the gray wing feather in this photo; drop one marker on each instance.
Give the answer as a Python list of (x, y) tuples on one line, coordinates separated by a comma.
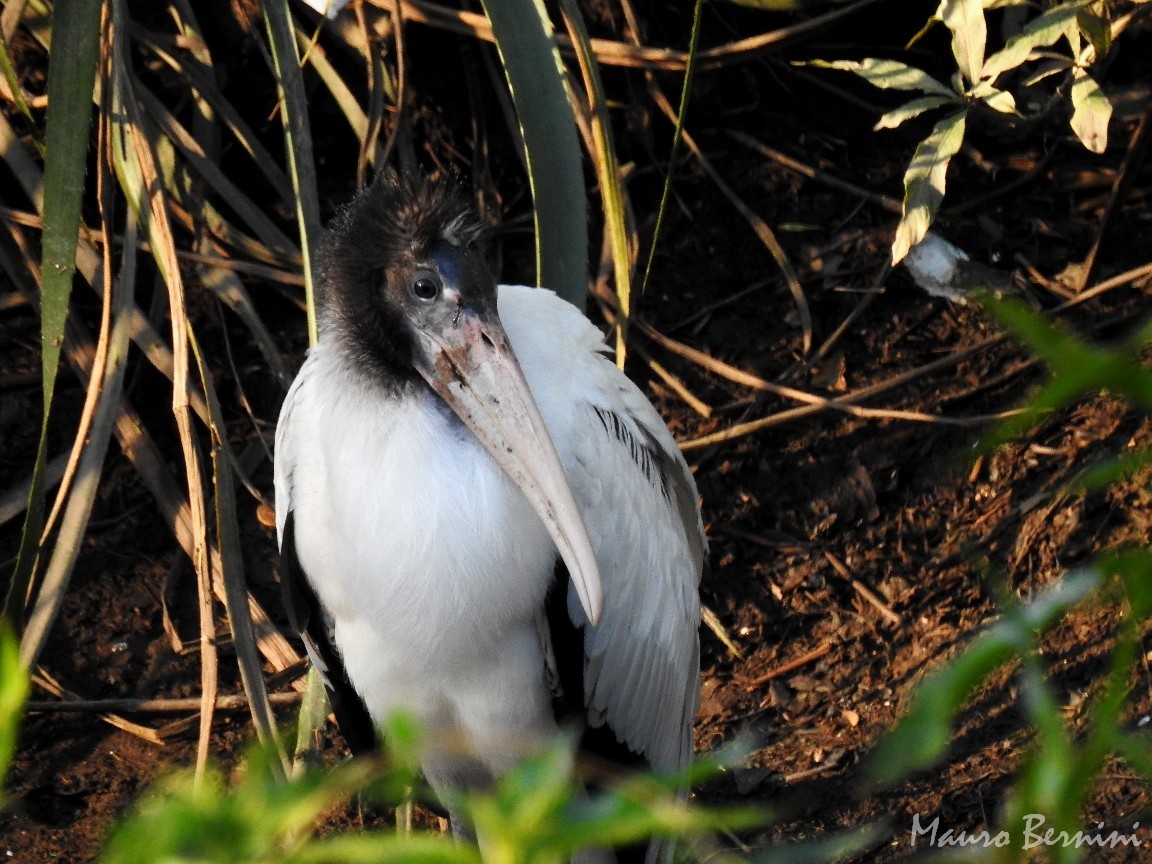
[(639, 500)]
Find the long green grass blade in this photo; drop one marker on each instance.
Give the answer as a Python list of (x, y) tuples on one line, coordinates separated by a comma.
[(608, 172), (677, 138), (527, 45), (75, 23), (13, 81), (297, 141), (302, 170), (925, 733), (13, 692)]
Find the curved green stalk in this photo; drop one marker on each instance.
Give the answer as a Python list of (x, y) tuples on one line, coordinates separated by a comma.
[(75, 23), (527, 45)]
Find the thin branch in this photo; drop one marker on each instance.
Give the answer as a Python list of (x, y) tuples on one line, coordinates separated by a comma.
[(789, 666), (863, 590), (190, 704), (847, 401), (792, 164), (1133, 161), (612, 53)]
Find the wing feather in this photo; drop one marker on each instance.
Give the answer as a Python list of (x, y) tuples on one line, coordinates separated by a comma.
[(639, 501)]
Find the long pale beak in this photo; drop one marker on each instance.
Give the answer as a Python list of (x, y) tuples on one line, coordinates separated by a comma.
[(470, 364)]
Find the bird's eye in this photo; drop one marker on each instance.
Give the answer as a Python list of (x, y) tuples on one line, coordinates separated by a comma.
[(426, 287)]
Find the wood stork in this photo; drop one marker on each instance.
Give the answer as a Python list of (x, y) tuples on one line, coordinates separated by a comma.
[(446, 439)]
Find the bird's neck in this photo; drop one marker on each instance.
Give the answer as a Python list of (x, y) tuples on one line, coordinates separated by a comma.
[(375, 358)]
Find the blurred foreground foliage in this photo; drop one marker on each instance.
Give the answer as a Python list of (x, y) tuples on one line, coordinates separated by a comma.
[(540, 813), (165, 153)]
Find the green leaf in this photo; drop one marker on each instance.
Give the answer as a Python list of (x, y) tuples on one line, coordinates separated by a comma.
[(607, 171), (535, 72), (849, 845), (1040, 32), (1136, 749), (13, 693), (1112, 471), (1088, 367), (297, 142), (71, 73), (1097, 30), (924, 182), (311, 717), (911, 109), (1091, 111), (677, 136), (1078, 367), (965, 20), (1046, 777), (924, 734), (998, 100), (384, 848), (889, 75), (263, 818)]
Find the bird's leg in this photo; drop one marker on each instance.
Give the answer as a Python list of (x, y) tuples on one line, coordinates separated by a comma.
[(451, 771)]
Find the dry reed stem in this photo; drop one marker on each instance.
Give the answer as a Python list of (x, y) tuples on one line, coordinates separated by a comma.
[(613, 53)]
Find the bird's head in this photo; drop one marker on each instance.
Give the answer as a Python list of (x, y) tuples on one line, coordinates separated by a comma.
[(405, 258), (408, 299)]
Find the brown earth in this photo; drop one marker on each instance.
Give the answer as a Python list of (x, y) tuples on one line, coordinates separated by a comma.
[(850, 554)]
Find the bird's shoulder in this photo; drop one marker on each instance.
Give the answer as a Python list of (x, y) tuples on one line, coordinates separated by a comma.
[(570, 370)]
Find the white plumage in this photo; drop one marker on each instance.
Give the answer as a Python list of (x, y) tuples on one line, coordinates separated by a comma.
[(425, 541), (431, 566)]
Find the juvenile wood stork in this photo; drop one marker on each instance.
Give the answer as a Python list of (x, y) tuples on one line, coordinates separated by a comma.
[(444, 441)]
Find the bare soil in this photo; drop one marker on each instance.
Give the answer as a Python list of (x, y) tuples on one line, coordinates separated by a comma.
[(849, 555)]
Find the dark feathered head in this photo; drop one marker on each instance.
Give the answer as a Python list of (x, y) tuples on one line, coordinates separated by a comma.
[(404, 249)]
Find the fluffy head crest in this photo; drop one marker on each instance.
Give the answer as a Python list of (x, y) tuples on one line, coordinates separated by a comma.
[(402, 216)]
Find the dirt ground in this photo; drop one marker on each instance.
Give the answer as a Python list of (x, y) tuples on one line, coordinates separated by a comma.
[(850, 553)]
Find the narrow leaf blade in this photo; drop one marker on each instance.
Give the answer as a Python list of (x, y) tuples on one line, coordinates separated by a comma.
[(527, 46), (889, 75), (297, 142), (924, 182), (607, 171), (1040, 32), (1091, 112), (75, 23), (909, 110), (965, 20)]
